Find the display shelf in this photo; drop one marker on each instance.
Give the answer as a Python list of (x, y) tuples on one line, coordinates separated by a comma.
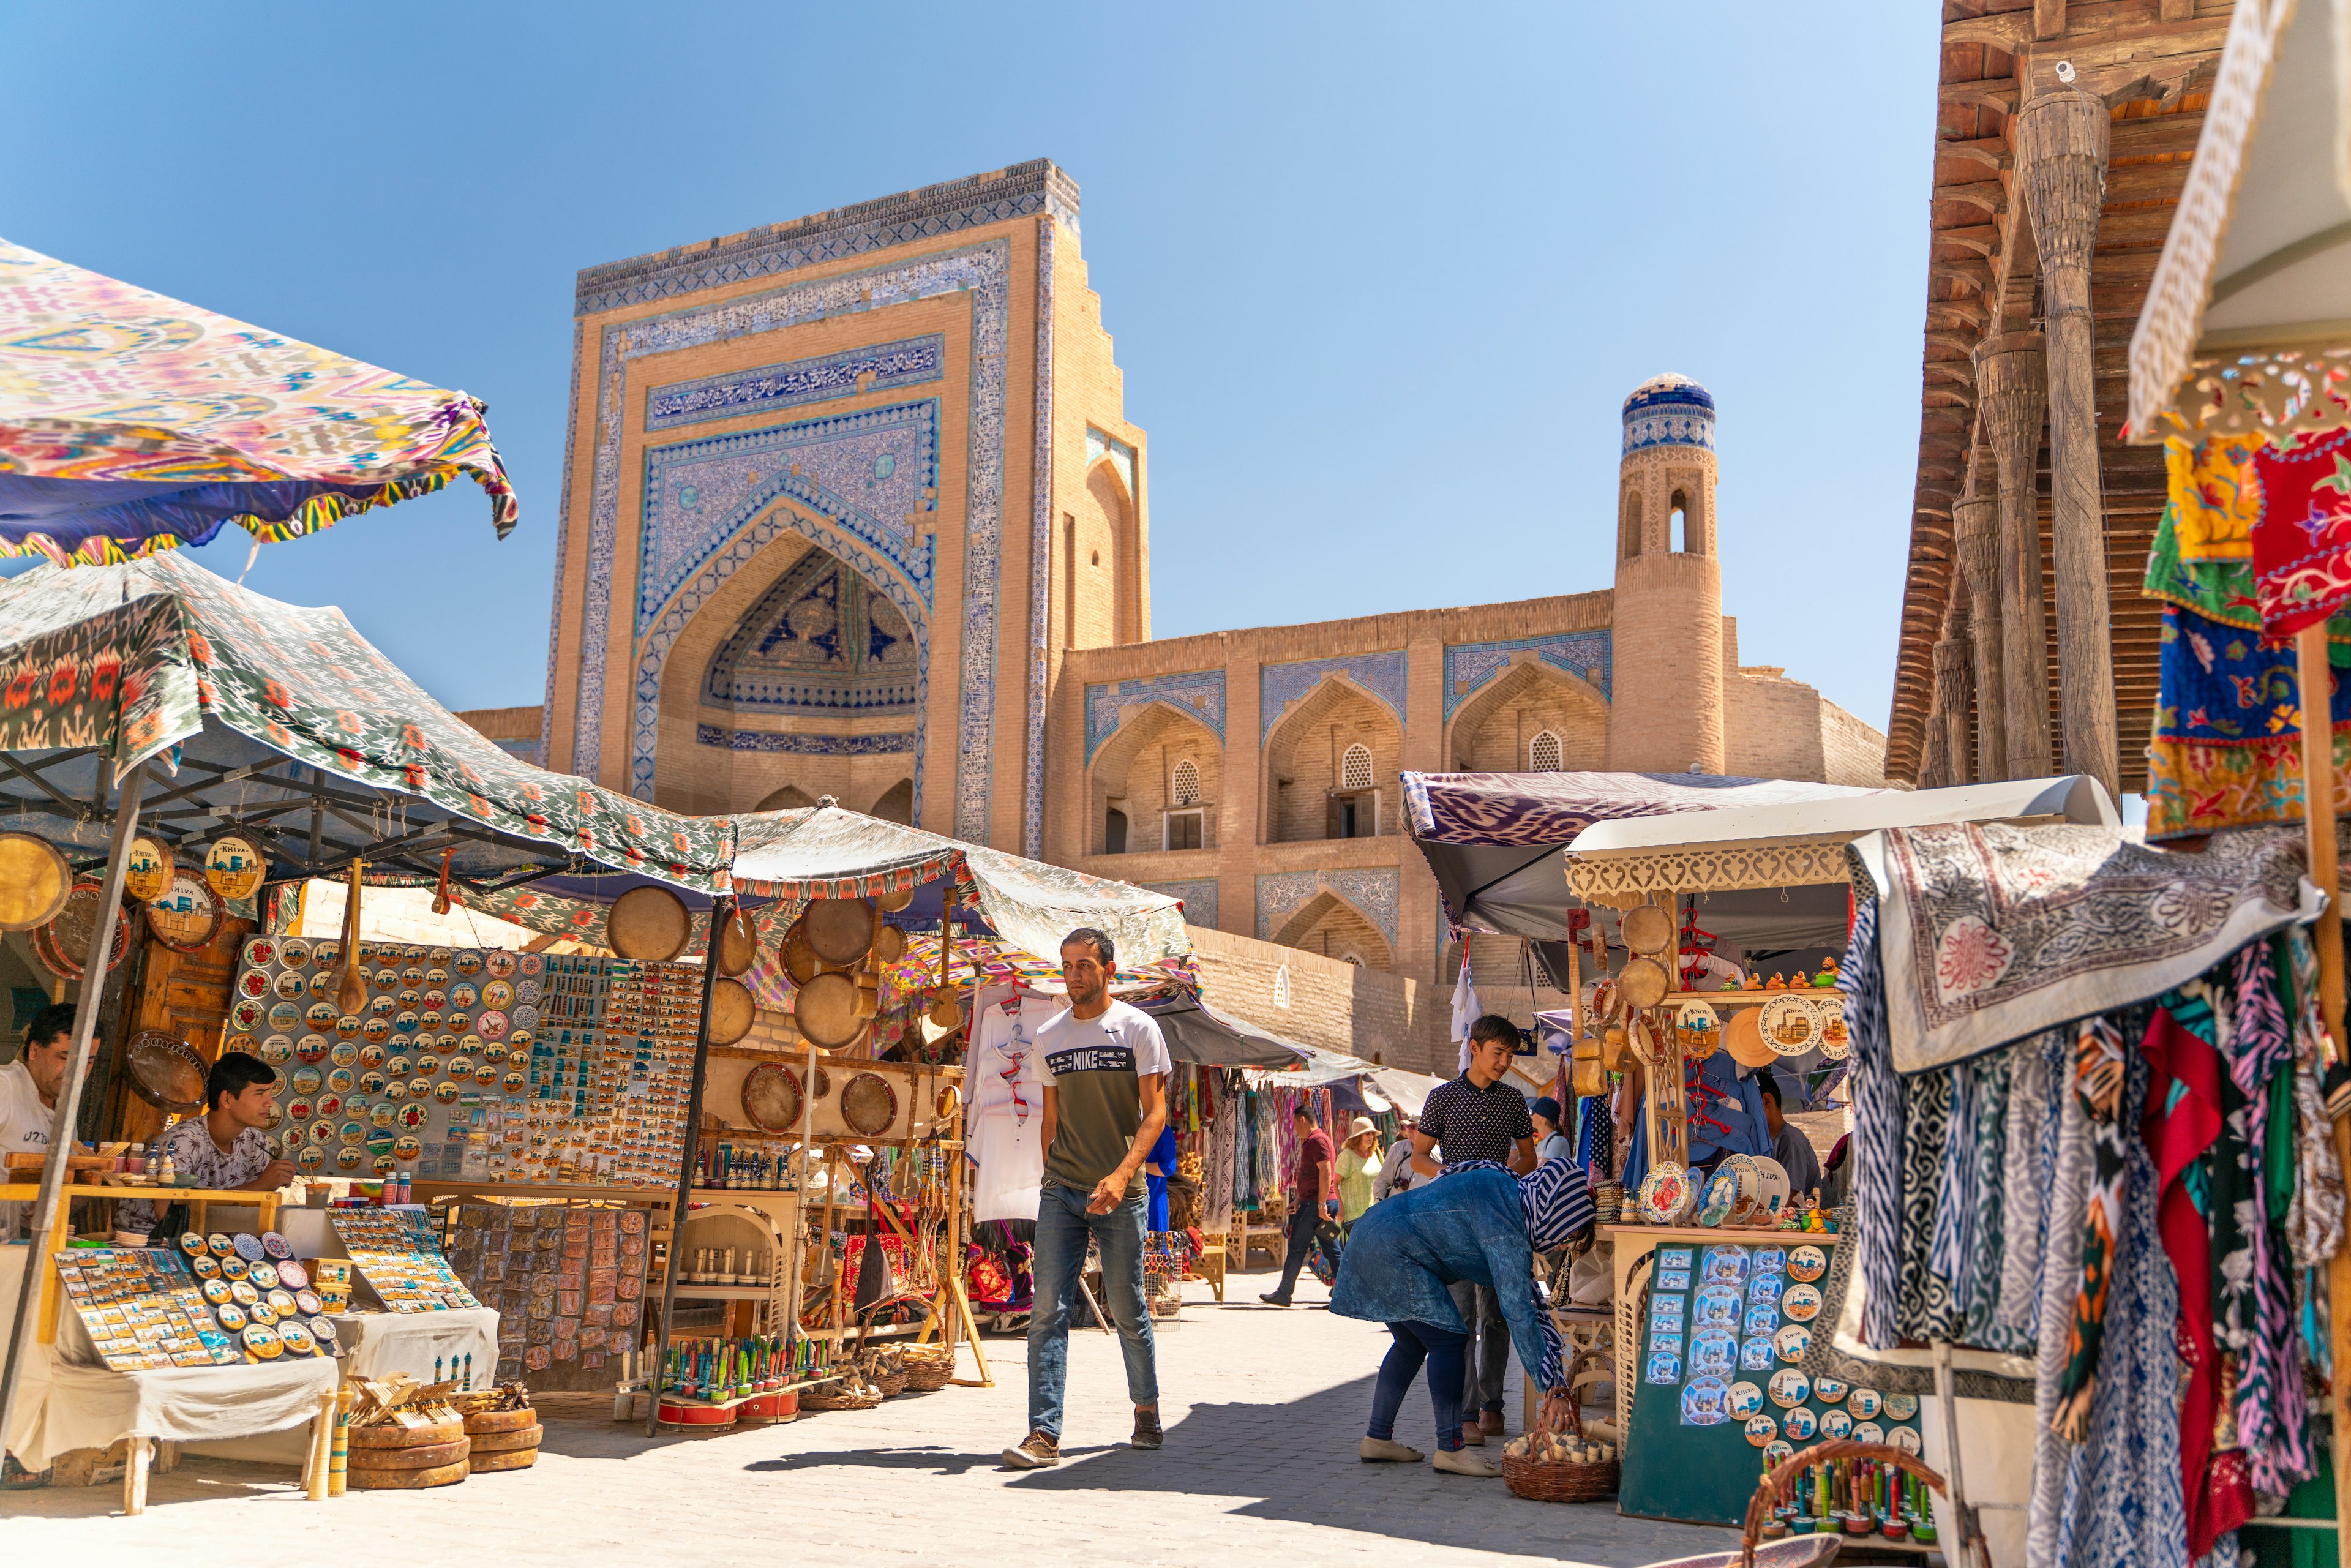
[(1745, 997), (725, 1293)]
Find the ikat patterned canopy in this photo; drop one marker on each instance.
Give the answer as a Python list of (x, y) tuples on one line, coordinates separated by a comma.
[(136, 659), (130, 423)]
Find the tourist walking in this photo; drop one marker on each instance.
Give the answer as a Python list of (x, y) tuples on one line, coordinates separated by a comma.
[(1480, 1226), (1104, 1068), (1313, 1201), (1359, 1162), (1477, 1117)]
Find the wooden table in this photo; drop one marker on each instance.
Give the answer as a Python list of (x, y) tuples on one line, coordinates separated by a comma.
[(54, 1241), (1632, 1244)]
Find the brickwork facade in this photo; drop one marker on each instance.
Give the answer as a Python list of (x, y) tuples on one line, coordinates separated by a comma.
[(851, 508)]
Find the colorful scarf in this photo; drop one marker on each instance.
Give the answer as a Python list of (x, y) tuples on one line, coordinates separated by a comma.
[(2226, 749), (1877, 1114), (2098, 1075), (2181, 1119)]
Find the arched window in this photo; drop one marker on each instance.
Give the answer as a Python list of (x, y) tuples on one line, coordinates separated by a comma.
[(1631, 540), (1678, 536), (1114, 832), (1187, 783), (1282, 986), (1355, 767), (1543, 753)]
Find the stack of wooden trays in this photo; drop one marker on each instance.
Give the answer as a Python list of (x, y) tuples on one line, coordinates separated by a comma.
[(389, 1456), (503, 1440)]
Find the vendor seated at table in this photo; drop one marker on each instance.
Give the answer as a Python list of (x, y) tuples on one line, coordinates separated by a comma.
[(29, 1094), (223, 1150)]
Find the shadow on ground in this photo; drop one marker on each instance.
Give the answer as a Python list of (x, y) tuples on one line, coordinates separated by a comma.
[(1296, 1461)]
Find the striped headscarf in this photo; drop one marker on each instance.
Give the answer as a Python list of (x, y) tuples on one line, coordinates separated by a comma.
[(1555, 1199)]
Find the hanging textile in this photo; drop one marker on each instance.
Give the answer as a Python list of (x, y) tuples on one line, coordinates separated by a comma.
[(2302, 530), (1976, 1292), (2118, 1503), (2061, 1277), (2030, 1145), (2226, 749), (2272, 1421), (2314, 1221), (2099, 1073), (1878, 1105), (1923, 1303), (2181, 1119)]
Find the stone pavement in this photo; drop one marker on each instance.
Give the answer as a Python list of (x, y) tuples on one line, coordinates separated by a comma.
[(1263, 1408)]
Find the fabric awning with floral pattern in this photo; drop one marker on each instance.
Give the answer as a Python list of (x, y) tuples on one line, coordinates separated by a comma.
[(131, 423)]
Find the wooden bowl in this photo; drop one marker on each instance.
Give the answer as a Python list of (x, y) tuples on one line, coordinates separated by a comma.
[(165, 1071), (738, 944)]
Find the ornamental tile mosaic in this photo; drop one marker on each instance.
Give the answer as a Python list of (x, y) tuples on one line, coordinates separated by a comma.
[(870, 472), (1586, 655), (1041, 552), (804, 745), (883, 367), (1200, 695), (1279, 685), (981, 274), (818, 641), (1199, 899), (1375, 892)]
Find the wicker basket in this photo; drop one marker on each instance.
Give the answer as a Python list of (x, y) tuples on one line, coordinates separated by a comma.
[(1540, 1481), (841, 1394), (929, 1367)]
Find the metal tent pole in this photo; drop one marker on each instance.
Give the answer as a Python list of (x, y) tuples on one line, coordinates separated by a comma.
[(61, 1127), (721, 911)]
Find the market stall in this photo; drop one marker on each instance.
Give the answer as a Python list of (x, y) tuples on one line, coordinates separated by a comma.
[(280, 747)]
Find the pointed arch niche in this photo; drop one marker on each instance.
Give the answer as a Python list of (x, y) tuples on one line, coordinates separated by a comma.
[(798, 675), (1306, 765), (1494, 731), (1327, 924), (1140, 772)]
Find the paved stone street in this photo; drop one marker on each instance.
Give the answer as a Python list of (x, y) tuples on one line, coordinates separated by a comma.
[(1263, 1410)]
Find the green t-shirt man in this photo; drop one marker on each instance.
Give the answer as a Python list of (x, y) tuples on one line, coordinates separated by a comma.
[(1095, 1067)]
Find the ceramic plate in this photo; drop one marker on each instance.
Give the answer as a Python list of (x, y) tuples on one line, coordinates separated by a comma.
[(1789, 1387), (1761, 1429), (1807, 1263), (1865, 1404), (1803, 1302), (1746, 1399)]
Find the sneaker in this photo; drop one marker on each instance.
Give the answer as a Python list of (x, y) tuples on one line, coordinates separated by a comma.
[(1146, 1430), (1271, 1300), (1490, 1422), (1460, 1462), (1039, 1451), (1471, 1436), (1386, 1450)]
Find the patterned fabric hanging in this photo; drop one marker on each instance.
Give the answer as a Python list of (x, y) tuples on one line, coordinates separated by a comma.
[(2302, 532), (1978, 1293), (2098, 1074), (2032, 1148), (1923, 1303), (2226, 749), (1878, 1118), (2181, 1119)]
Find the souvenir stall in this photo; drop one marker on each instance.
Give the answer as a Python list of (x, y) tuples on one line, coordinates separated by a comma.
[(171, 721), (886, 1078)]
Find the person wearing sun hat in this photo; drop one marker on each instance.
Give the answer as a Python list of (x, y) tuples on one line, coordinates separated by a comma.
[(1359, 1162), (1480, 1225)]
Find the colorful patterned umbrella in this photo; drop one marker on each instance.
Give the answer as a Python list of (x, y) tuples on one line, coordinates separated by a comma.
[(130, 423)]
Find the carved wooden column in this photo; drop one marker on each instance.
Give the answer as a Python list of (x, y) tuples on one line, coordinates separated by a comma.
[(1976, 522), (1952, 658), (2008, 389), (2060, 141)]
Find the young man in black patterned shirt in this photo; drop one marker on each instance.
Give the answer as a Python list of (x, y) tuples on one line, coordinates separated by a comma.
[(1478, 1116)]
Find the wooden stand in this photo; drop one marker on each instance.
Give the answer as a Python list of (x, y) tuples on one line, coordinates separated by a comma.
[(53, 1240)]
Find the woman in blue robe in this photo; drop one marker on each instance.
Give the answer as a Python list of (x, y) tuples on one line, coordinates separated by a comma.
[(1479, 1224)]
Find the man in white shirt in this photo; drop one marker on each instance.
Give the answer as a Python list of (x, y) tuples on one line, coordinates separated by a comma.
[(1104, 1066), (29, 1094), (1396, 1170)]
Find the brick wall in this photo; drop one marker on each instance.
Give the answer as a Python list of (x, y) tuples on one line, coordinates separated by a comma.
[(1492, 730), (1852, 750), (1388, 1019)]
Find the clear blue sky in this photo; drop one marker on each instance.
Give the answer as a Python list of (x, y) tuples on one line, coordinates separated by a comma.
[(1379, 275)]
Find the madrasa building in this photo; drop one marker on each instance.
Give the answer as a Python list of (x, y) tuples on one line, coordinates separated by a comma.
[(851, 508)]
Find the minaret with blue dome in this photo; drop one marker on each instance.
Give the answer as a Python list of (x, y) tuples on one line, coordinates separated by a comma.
[(1667, 610)]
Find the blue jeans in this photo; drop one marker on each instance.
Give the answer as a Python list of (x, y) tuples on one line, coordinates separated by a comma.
[(1442, 1349), (1062, 1225)]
